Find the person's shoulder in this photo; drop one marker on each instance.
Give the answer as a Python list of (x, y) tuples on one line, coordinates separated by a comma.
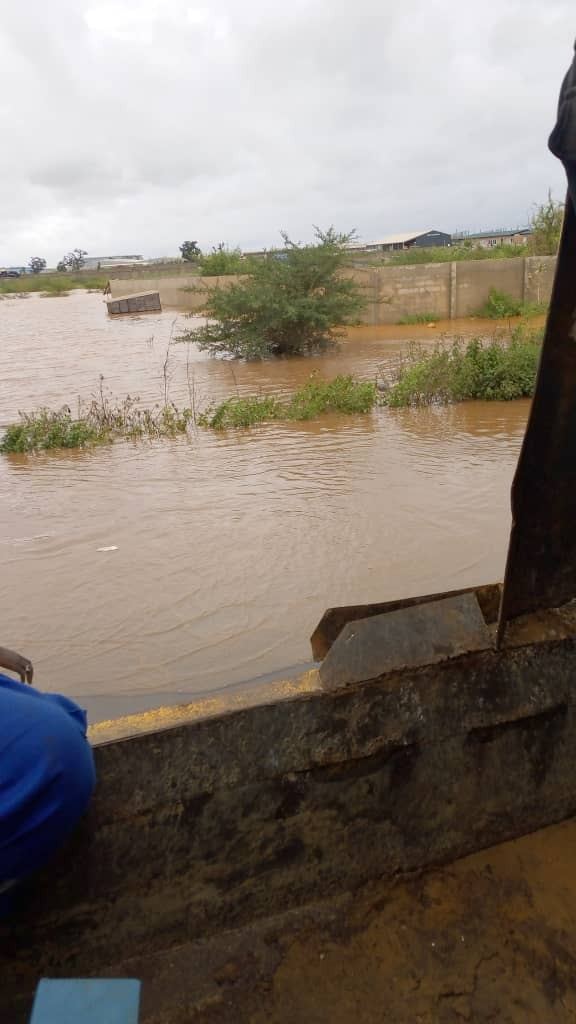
[(562, 141)]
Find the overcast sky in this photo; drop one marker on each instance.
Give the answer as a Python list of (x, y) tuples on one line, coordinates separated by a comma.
[(132, 125)]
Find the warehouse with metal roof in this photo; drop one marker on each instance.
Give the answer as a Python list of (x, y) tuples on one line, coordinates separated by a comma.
[(404, 240)]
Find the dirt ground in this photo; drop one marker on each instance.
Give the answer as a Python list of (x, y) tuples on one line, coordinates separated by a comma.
[(491, 937)]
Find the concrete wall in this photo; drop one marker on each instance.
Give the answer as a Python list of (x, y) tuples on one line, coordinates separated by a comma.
[(215, 822), (172, 269), (405, 291), (176, 292), (446, 290)]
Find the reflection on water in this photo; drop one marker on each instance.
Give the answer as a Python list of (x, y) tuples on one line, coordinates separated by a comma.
[(228, 548)]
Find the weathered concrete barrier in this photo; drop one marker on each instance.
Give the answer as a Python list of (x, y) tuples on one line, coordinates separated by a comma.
[(139, 302), (444, 290), (217, 820)]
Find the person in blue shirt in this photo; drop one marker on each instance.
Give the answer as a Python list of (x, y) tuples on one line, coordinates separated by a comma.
[(46, 774)]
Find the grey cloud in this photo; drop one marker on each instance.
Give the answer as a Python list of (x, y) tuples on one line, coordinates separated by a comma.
[(140, 122)]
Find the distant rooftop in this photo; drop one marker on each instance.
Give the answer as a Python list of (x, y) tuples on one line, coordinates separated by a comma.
[(398, 239), (495, 232)]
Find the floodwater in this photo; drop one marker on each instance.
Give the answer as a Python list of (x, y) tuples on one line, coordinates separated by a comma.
[(224, 550)]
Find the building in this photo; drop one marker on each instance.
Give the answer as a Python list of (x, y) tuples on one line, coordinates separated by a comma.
[(490, 239), (106, 262), (404, 240)]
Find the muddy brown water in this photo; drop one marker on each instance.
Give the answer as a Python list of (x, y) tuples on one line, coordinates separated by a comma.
[(226, 548)]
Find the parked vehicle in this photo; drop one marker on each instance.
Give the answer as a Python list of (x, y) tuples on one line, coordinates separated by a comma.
[(9, 273)]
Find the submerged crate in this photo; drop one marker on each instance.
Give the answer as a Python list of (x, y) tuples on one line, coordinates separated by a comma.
[(142, 302)]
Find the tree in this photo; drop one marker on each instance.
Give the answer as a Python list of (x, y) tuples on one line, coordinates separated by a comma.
[(75, 259), (222, 261), (289, 303), (37, 264), (190, 251), (546, 225)]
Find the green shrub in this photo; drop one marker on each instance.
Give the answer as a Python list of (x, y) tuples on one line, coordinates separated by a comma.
[(534, 308), (44, 429), (241, 412), (498, 305), (316, 397), (289, 302), (223, 261), (494, 370), (343, 394)]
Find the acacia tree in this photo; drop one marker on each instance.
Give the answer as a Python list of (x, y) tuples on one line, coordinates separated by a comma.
[(546, 225), (75, 259), (290, 302), (36, 264), (190, 251)]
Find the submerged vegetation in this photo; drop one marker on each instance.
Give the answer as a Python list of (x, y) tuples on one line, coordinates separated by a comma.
[(500, 368), (343, 394), (419, 318), (45, 429), (497, 369), (51, 284), (100, 421), (105, 419)]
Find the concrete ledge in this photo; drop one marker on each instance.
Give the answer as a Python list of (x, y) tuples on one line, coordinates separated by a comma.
[(220, 820)]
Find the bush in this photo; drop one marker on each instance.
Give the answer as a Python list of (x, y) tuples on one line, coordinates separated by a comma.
[(498, 305), (222, 261), (289, 303), (241, 412), (44, 429), (316, 397), (343, 394), (546, 227), (495, 370)]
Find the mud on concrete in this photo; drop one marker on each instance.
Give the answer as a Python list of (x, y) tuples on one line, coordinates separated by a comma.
[(491, 937)]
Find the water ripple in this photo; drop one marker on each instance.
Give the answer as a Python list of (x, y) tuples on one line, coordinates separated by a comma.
[(229, 547)]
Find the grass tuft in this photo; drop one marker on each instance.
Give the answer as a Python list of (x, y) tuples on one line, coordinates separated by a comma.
[(419, 318), (343, 394)]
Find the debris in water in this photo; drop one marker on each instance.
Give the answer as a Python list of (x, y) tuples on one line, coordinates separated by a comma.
[(112, 547)]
